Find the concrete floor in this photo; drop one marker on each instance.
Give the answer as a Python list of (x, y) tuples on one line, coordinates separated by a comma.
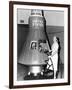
[(23, 70)]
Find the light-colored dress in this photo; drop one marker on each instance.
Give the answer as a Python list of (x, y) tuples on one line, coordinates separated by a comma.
[(54, 55)]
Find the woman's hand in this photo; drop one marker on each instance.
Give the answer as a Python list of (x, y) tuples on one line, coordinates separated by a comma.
[(49, 56), (50, 50)]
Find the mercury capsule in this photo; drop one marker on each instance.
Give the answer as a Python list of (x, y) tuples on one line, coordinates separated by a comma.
[(32, 52)]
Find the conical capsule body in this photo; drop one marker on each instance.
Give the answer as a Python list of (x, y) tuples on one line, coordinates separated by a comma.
[(36, 40)]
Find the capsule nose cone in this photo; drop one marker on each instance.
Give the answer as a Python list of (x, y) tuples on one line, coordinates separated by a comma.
[(36, 12)]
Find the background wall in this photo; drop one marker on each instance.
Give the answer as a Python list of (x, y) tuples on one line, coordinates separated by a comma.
[(53, 17), (59, 32), (54, 27), (51, 32), (4, 45)]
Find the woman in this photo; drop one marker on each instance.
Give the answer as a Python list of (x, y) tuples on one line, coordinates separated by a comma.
[(54, 54)]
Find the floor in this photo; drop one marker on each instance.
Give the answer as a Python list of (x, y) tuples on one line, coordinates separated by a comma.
[(23, 70)]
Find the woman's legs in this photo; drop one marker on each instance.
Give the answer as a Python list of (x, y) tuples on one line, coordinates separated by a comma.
[(55, 72)]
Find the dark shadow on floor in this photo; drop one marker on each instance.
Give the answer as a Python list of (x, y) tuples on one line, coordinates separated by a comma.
[(22, 71)]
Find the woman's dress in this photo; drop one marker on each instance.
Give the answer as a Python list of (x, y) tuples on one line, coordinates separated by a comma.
[(54, 55)]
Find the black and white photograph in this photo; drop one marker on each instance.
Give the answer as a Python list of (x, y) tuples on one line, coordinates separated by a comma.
[(40, 44)]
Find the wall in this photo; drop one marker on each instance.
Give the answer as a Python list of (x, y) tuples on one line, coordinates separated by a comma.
[(54, 27), (52, 17), (51, 31), (57, 31)]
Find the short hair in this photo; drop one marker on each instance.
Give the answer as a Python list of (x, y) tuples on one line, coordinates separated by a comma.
[(57, 39)]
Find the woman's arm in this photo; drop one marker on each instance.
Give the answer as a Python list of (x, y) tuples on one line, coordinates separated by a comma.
[(54, 53)]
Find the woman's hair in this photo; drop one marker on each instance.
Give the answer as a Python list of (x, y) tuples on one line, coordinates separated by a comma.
[(57, 39)]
